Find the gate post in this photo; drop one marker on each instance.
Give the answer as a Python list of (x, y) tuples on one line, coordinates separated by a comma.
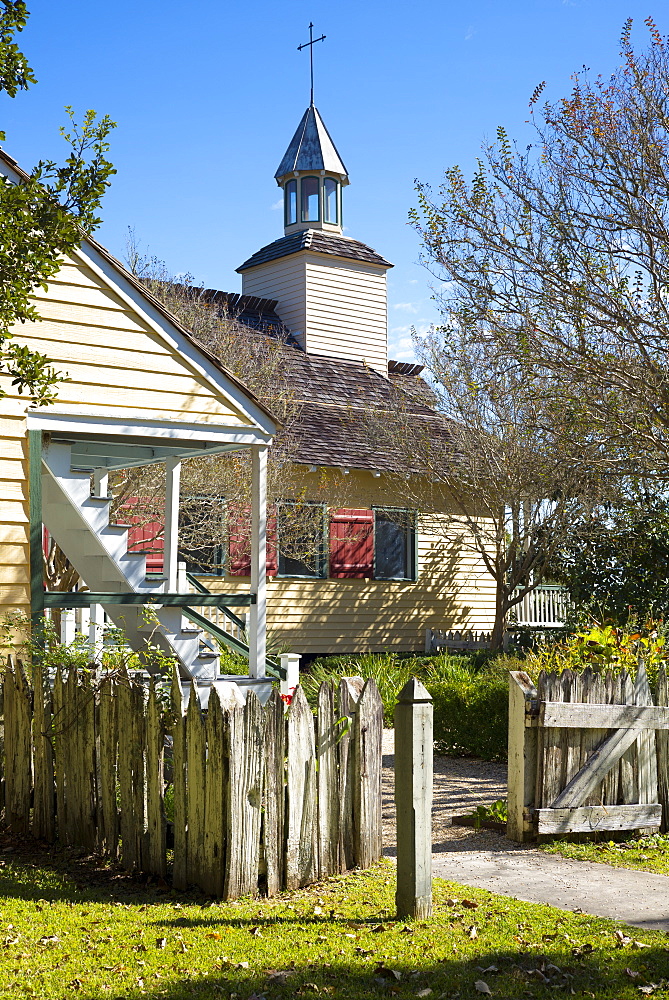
[(523, 743), (413, 800)]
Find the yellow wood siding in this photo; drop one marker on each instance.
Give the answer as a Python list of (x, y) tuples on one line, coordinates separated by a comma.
[(283, 280), (452, 590), (14, 513), (347, 311)]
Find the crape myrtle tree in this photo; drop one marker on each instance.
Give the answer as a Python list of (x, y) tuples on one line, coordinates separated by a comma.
[(507, 472), (42, 217), (556, 254)]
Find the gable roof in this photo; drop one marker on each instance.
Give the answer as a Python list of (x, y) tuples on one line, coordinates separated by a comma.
[(311, 148), (316, 241), (187, 348), (338, 403)]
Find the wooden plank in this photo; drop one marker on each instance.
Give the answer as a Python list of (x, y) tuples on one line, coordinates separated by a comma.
[(301, 839), (610, 785), (350, 689), (275, 793), (138, 702), (180, 807), (367, 742), (130, 856), (87, 764), (571, 685), (328, 798), (155, 860), (69, 730), (662, 750), (590, 739), (44, 815), (587, 716), (195, 787), (550, 688), (646, 753), (523, 754), (215, 800), (628, 793), (18, 756), (108, 742), (588, 819), (59, 755), (245, 748)]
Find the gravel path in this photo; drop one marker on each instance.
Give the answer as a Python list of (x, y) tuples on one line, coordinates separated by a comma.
[(460, 784)]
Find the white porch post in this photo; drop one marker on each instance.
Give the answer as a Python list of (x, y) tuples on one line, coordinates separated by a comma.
[(100, 482), (258, 611), (171, 543)]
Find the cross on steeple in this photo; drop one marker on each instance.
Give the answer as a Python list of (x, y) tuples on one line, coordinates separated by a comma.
[(310, 45)]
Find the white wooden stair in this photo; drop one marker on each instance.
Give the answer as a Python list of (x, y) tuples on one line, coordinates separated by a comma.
[(98, 551)]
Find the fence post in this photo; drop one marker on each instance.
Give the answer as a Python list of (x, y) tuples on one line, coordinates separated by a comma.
[(413, 800), (523, 742)]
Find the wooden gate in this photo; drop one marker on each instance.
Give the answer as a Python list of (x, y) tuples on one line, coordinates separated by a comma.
[(584, 753)]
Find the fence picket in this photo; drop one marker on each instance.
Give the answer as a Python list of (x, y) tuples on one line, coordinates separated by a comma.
[(108, 743), (156, 859), (44, 816), (350, 689), (367, 739), (195, 788), (275, 793), (214, 806), (18, 757), (611, 693), (328, 799), (646, 743), (59, 738), (662, 750), (179, 799), (245, 744), (301, 839), (86, 764), (628, 762)]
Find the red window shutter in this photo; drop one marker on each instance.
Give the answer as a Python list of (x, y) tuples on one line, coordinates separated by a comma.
[(145, 536), (352, 544), (239, 534)]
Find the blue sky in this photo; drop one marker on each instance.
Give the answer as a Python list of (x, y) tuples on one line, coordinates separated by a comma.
[(208, 94)]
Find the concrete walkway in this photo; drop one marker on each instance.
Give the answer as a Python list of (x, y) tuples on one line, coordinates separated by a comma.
[(637, 898)]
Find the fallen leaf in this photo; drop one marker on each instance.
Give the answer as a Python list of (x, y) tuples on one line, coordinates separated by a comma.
[(473, 932), (427, 992), (161, 942), (386, 973), (318, 910), (470, 904), (378, 929), (482, 987), (632, 973), (640, 944), (214, 935), (255, 931)]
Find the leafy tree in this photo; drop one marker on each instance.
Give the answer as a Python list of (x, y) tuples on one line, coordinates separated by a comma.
[(557, 254), (617, 564), (43, 216)]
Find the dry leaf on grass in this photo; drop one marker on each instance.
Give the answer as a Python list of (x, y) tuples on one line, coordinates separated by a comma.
[(481, 987)]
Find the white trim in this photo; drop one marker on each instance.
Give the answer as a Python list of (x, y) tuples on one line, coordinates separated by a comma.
[(234, 395), (87, 421), (258, 611)]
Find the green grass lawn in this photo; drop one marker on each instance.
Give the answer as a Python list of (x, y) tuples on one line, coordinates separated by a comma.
[(650, 854), (69, 929)]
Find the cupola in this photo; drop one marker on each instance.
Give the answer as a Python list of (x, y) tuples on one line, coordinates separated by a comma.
[(312, 176)]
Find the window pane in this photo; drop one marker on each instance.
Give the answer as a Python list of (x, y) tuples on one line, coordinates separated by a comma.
[(310, 199), (394, 544), (201, 535), (330, 200), (301, 540), (291, 203)]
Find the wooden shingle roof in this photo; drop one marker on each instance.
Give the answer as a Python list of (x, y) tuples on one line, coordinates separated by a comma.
[(318, 242)]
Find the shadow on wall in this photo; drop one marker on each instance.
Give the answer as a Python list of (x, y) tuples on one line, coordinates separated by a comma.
[(353, 616)]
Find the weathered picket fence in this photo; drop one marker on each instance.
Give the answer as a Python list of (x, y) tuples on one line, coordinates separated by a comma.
[(587, 752), (261, 797)]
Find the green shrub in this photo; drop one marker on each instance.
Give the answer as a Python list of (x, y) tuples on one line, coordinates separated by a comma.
[(471, 713), (470, 693)]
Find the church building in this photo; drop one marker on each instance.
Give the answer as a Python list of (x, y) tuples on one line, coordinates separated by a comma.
[(386, 572)]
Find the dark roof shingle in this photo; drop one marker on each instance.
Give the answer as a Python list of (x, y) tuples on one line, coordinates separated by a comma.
[(317, 242)]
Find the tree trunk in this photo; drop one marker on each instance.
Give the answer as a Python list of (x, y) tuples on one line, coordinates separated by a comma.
[(497, 637)]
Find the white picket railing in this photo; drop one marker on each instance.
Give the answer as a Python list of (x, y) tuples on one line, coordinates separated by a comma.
[(546, 606)]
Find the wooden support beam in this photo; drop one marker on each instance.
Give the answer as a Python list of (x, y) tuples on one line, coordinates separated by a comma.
[(574, 715), (36, 555), (258, 615), (587, 819), (79, 599), (171, 541), (413, 801)]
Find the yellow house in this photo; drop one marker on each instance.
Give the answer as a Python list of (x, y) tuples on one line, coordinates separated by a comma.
[(136, 389), (388, 571)]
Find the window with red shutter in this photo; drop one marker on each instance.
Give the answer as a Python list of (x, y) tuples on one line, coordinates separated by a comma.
[(352, 544), (146, 532), (301, 539), (239, 540)]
